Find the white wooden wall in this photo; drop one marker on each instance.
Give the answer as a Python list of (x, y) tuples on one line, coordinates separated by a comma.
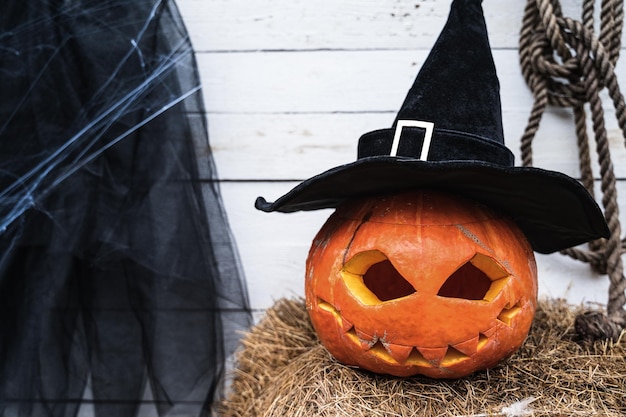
[(290, 85)]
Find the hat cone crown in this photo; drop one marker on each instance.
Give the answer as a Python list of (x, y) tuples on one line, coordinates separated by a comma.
[(457, 87)]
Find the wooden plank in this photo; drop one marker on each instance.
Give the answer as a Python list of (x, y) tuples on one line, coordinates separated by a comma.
[(338, 82), (240, 25), (282, 146), (274, 246), (329, 81)]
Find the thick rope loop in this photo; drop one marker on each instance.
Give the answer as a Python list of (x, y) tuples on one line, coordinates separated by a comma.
[(566, 64), (566, 77)]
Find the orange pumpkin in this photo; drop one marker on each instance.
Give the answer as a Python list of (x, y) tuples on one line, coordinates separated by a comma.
[(420, 283)]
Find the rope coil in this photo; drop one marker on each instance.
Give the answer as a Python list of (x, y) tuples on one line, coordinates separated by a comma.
[(566, 64)]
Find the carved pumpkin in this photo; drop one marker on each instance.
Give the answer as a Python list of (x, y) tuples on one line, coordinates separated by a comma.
[(420, 283)]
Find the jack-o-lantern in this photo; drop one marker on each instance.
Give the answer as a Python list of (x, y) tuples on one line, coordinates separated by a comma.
[(420, 283), (429, 283)]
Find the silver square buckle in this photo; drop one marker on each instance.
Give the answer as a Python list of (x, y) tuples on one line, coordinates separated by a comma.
[(429, 126)]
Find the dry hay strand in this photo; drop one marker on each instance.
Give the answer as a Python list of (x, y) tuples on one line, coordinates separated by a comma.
[(283, 371)]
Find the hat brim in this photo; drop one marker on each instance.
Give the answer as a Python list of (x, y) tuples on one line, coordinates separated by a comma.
[(553, 210)]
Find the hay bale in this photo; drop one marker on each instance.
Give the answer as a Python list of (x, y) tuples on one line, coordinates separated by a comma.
[(283, 371)]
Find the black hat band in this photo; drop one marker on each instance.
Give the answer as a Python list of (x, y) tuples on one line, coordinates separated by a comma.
[(445, 145)]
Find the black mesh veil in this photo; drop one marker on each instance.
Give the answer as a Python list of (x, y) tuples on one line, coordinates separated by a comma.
[(118, 273)]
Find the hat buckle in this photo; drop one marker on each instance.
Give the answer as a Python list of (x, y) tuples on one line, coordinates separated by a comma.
[(428, 126)]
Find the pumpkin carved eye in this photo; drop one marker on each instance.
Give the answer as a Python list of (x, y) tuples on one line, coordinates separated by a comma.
[(386, 282), (481, 278), (373, 279)]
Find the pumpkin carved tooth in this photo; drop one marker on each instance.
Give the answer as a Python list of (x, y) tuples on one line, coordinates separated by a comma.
[(326, 306), (508, 313), (380, 350), (399, 353), (469, 347), (433, 355), (346, 325), (490, 332), (367, 341), (453, 356), (501, 327)]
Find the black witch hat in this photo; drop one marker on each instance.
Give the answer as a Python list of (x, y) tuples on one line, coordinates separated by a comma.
[(448, 136)]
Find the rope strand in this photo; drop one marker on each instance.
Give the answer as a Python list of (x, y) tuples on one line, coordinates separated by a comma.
[(566, 65)]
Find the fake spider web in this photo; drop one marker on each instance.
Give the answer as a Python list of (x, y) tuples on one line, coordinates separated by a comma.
[(117, 266)]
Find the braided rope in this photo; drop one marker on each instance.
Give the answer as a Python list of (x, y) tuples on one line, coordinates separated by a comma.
[(566, 65)]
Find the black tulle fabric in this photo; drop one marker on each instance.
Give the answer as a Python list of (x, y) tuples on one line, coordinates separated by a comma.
[(119, 280)]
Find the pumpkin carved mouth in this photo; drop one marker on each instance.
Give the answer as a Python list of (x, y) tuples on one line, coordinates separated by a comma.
[(393, 353), (372, 279)]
